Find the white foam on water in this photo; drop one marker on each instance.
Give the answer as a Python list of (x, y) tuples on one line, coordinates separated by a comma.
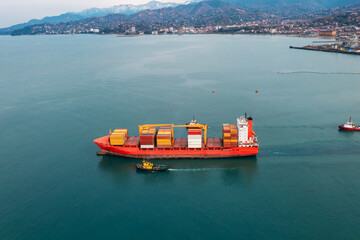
[(196, 169), (314, 72)]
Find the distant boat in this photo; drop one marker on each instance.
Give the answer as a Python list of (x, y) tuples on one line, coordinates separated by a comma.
[(349, 126), (192, 122)]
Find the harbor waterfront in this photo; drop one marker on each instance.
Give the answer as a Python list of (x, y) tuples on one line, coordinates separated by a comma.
[(58, 93), (325, 48)]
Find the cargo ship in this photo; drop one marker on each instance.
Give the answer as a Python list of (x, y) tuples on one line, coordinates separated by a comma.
[(157, 141)]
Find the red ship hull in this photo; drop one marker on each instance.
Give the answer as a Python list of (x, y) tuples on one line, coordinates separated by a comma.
[(341, 127), (174, 153)]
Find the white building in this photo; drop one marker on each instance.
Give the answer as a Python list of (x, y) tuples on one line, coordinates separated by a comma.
[(273, 30)]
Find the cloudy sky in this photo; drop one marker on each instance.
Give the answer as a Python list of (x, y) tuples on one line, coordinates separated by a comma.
[(19, 11)]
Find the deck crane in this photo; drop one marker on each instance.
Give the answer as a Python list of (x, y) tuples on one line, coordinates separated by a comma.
[(197, 125)]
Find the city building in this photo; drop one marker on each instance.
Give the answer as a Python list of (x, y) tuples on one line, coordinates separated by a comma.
[(327, 33)]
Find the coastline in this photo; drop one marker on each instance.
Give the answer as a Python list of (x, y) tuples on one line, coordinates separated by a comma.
[(187, 34)]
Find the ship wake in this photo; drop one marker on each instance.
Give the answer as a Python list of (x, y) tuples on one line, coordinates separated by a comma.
[(315, 72), (197, 169)]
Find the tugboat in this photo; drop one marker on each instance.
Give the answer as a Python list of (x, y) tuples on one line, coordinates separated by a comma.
[(147, 166), (349, 126)]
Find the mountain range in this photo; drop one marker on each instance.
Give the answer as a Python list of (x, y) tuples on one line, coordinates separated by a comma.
[(206, 13), (309, 4), (214, 12), (127, 9)]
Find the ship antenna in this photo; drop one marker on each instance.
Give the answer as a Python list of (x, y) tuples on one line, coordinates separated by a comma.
[(350, 119), (245, 116)]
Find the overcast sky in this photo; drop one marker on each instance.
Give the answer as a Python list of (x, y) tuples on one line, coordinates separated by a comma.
[(19, 11)]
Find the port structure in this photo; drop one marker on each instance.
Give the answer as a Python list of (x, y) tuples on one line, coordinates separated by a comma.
[(197, 125)]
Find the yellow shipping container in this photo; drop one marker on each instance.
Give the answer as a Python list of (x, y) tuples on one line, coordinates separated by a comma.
[(227, 134), (119, 133), (117, 139), (233, 140), (120, 130), (117, 143), (164, 139), (163, 144)]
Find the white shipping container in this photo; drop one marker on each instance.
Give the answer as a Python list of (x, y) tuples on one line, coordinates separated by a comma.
[(147, 146), (194, 136), (194, 145), (194, 142)]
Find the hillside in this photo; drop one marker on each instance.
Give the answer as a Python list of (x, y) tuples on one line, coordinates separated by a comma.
[(127, 9), (208, 13), (307, 4), (283, 8)]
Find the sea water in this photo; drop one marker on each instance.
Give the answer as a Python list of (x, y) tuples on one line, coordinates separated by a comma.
[(58, 93)]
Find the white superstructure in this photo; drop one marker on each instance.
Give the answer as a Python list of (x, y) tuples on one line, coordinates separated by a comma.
[(349, 124), (243, 130)]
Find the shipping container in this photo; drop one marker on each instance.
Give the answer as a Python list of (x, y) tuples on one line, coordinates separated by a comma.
[(147, 146), (163, 146), (230, 135), (118, 139)]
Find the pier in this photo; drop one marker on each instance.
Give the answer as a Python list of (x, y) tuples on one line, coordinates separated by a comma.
[(325, 49)]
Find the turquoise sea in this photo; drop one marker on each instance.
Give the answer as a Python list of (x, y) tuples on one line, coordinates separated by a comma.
[(58, 93)]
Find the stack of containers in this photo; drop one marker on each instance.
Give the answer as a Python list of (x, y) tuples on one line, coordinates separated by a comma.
[(147, 137), (194, 138), (230, 135), (118, 137), (164, 137)]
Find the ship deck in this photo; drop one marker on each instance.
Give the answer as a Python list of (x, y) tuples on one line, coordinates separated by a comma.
[(179, 143), (132, 142)]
